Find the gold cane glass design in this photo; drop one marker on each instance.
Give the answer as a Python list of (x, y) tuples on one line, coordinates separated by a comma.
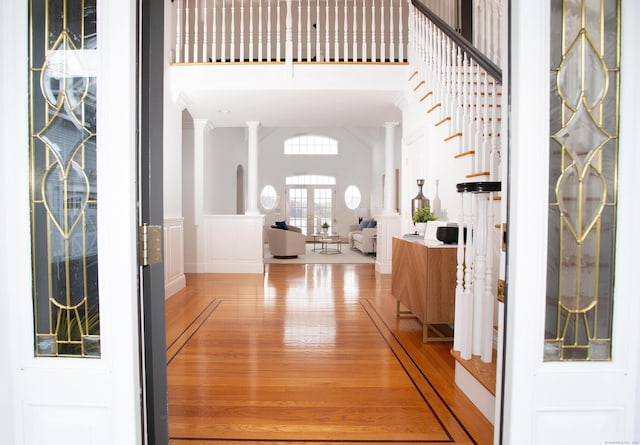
[(584, 113), (62, 94)]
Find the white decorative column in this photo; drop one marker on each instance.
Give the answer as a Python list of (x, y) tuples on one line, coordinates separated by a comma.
[(389, 168), (201, 127), (252, 169), (389, 221)]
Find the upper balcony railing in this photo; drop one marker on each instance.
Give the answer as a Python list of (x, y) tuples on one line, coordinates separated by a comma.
[(225, 31)]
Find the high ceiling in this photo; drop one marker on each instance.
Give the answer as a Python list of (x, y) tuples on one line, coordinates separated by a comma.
[(346, 97), (295, 108)]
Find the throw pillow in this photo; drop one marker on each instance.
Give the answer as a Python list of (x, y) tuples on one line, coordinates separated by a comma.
[(282, 225), (372, 224), (363, 224)]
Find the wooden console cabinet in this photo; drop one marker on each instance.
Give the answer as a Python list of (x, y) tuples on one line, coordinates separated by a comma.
[(423, 279)]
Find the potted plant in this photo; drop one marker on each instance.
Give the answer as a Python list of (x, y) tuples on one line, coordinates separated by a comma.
[(325, 227), (421, 217)]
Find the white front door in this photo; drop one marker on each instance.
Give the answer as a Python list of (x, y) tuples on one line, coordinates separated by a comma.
[(87, 391), (581, 402)]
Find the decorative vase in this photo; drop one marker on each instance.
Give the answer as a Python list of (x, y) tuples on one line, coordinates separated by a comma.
[(420, 200)]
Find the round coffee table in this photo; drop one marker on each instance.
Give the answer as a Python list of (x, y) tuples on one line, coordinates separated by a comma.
[(330, 244)]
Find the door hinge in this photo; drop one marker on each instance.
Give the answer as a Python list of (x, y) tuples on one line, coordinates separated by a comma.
[(149, 244)]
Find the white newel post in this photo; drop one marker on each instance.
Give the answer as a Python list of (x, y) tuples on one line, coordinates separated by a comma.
[(201, 127), (389, 168), (252, 169)]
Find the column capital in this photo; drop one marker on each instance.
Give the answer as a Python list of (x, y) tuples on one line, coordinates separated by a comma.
[(203, 124), (391, 124), (253, 124)]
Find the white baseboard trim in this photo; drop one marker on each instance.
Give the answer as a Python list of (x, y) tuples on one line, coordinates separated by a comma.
[(175, 285), (478, 394), (383, 267), (240, 267)]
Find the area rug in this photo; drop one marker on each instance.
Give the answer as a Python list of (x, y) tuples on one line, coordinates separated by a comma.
[(347, 256)]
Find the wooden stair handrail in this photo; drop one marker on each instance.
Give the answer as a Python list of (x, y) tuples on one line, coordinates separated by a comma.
[(491, 68)]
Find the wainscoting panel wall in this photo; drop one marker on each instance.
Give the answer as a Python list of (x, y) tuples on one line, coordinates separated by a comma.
[(233, 244), (174, 278)]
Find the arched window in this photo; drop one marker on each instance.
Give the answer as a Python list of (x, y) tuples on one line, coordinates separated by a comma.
[(310, 145)]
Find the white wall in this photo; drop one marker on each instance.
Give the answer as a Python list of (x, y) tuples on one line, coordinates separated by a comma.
[(352, 166), (188, 209), (226, 149), (426, 155), (172, 134)]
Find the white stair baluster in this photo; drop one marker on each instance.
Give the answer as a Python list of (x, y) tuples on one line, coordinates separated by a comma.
[(459, 89), (232, 28), (288, 26), (374, 48), (392, 45), (495, 130), (309, 52), (478, 118), (242, 50), (400, 33), (327, 46), (187, 28), (251, 33), (196, 32), (355, 30), (489, 298), (278, 33), (318, 52), (223, 34), (260, 31), (479, 269), (205, 32), (269, 43), (364, 30), (486, 143), (214, 33), (345, 50), (299, 57), (179, 32), (459, 327), (336, 42), (467, 316), (383, 47)]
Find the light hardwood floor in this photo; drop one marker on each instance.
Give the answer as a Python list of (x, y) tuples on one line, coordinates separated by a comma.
[(308, 354)]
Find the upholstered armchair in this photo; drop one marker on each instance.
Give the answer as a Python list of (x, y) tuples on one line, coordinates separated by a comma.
[(287, 243)]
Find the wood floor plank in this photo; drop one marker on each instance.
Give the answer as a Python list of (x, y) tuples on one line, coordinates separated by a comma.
[(297, 357)]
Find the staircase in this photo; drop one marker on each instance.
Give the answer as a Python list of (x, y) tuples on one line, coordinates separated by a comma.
[(460, 93)]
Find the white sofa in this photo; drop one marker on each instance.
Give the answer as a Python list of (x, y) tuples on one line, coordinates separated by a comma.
[(363, 239)]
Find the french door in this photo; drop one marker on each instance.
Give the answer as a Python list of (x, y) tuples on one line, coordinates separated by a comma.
[(310, 206)]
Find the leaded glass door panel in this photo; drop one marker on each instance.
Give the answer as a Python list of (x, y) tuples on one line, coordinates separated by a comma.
[(69, 102)]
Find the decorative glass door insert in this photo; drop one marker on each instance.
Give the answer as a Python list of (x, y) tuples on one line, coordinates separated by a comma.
[(62, 89), (582, 179)]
